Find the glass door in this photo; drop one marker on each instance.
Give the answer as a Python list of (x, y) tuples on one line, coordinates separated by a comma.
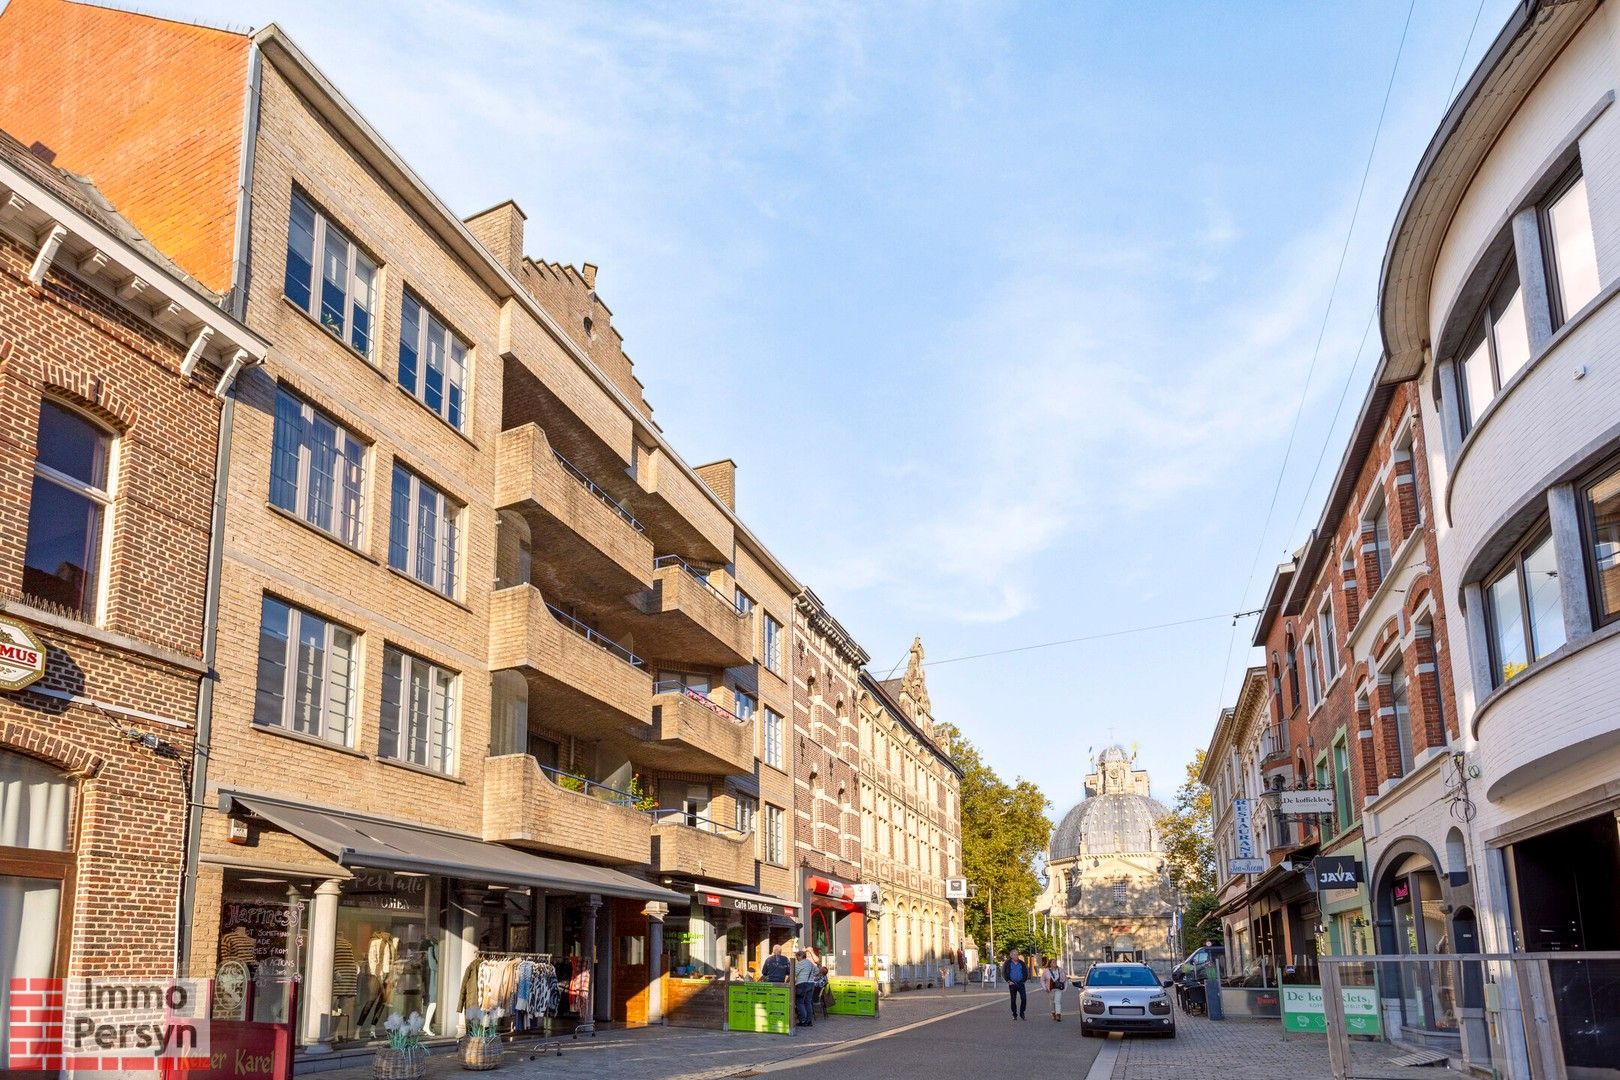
[(36, 875)]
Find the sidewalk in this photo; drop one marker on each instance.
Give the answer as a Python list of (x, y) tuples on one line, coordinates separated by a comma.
[(1252, 1050), (675, 1053)]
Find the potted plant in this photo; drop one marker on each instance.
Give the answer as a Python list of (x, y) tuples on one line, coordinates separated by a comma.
[(481, 1049), (639, 796), (404, 1058)]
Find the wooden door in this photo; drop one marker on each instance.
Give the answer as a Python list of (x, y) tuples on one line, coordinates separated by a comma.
[(629, 963)]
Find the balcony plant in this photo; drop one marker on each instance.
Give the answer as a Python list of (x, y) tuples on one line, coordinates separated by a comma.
[(404, 1058), (640, 798), (481, 1049)]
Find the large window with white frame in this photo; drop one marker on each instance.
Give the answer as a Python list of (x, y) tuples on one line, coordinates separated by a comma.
[(1382, 549), (329, 277), (1571, 255), (772, 737), (419, 704), (775, 835), (1600, 498), (1497, 346), (308, 673), (432, 362), (423, 537), (317, 468), (1327, 641), (69, 510), (1313, 672), (1400, 694), (772, 644), (1524, 611)]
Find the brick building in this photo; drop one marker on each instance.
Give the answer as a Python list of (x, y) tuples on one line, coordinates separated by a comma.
[(911, 825), (113, 367)]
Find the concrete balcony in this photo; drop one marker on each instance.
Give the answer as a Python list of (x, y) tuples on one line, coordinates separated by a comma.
[(585, 682), (526, 808), (678, 513), (695, 733), (712, 854), (689, 619), (593, 546)]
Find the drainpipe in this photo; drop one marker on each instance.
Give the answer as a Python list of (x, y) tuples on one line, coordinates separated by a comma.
[(236, 304)]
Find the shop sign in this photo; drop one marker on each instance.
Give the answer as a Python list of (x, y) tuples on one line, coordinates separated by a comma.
[(385, 890), (1305, 1009), (863, 894), (766, 1008), (956, 888), (1243, 828), (1402, 892), (752, 905), (851, 996), (1307, 801), (821, 886), (254, 932), (22, 657), (1337, 871), (1234, 867)]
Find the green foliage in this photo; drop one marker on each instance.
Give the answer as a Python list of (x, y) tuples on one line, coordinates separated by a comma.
[(1004, 829), (1188, 830)]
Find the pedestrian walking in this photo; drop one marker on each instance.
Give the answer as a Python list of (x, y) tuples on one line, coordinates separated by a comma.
[(805, 974), (776, 967), (1053, 980), (1016, 973)]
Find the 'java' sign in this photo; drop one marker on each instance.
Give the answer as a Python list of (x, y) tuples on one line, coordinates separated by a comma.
[(1337, 871), (22, 657)]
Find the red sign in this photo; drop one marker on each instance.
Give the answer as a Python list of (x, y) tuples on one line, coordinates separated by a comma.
[(1402, 893), (22, 657), (828, 887)]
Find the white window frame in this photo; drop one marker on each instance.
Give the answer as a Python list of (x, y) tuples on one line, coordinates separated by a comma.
[(1514, 566), (1328, 634), (771, 735), (350, 453), (454, 354), (286, 719), (772, 646), (444, 576), (747, 814), (1313, 672), (775, 835), (98, 577), (1559, 309), (1405, 744), (439, 746), (1484, 328), (746, 705), (357, 260)]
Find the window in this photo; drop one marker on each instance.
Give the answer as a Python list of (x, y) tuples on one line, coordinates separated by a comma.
[(344, 298), (432, 362), (307, 673), (68, 511), (1524, 613), (1293, 673), (1341, 784), (745, 706), (1329, 639), (1382, 553), (773, 737), (1313, 673), (1566, 228), (747, 813), (775, 835), (1401, 702), (773, 644), (422, 532), (1601, 499), (317, 469), (1119, 895), (418, 722), (1498, 347), (745, 603)]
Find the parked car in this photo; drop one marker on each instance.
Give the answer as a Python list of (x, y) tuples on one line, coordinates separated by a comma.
[(1125, 997), (1191, 969)]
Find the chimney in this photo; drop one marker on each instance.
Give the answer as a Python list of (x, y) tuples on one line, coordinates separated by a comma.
[(721, 476), (500, 229), (588, 272)]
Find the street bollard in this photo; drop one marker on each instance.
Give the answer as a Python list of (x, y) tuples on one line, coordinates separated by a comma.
[(1212, 993)]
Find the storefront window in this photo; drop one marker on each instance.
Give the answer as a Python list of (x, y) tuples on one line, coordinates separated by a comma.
[(36, 805), (262, 934), (386, 960)]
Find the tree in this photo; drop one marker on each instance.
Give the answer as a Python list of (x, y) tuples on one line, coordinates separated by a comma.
[(1004, 830), (1188, 830)]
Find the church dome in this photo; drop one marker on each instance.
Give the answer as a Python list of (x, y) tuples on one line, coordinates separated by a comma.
[(1116, 816)]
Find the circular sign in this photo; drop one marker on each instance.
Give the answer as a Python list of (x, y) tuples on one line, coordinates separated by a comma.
[(22, 657)]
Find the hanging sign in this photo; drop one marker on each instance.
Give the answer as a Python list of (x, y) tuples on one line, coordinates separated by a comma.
[(1337, 871), (1235, 867), (1243, 828), (1309, 801), (22, 657)]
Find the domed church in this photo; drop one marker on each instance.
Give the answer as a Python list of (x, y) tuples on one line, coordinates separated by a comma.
[(1105, 870)]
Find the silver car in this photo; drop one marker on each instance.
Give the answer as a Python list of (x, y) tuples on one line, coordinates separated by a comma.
[(1125, 997)]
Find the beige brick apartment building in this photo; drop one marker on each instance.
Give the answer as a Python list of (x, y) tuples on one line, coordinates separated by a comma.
[(110, 359), (401, 768)]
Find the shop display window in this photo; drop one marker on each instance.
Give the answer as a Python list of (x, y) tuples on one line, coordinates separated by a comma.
[(263, 932), (386, 955)]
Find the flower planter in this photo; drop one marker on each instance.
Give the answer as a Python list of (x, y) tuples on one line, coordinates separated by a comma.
[(409, 1063), (480, 1053)]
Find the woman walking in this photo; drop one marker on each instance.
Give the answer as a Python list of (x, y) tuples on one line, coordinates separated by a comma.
[(1053, 980)]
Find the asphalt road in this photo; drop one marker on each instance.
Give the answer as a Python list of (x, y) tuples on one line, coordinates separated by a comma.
[(982, 1044)]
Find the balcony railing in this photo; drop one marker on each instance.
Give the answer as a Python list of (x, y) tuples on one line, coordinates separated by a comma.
[(702, 579), (590, 485), (697, 821), (1271, 744), (589, 634), (671, 686), (584, 785)]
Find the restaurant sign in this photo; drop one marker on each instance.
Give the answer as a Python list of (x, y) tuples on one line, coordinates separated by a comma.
[(753, 905), (22, 657)]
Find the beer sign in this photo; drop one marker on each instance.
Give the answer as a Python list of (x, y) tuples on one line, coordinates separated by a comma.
[(22, 657)]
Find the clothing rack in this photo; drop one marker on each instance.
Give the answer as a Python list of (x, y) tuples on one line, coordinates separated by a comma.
[(546, 1015)]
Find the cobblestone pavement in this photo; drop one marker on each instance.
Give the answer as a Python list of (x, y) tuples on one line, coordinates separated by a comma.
[(671, 1053), (1250, 1050)]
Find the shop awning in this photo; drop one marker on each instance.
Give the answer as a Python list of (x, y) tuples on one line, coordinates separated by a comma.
[(751, 903), (357, 840)]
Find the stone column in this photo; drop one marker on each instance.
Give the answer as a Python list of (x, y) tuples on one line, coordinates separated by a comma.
[(587, 1019), (655, 913), (322, 947)]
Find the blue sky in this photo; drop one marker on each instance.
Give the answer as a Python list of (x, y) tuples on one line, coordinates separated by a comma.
[(1003, 310)]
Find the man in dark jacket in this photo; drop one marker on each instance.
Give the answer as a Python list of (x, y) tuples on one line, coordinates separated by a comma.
[(1016, 973), (776, 967)]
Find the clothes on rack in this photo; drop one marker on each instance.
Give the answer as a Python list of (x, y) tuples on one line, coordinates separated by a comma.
[(522, 985)]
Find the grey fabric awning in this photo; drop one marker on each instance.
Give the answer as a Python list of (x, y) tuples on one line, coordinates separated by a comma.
[(358, 840)]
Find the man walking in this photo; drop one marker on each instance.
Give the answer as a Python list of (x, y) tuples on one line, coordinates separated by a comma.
[(776, 967), (805, 975), (1016, 973)]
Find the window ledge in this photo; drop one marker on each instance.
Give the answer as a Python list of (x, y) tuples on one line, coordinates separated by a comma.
[(424, 586), (1398, 562), (350, 349), (323, 533), (311, 740), (1563, 333), (1397, 785), (411, 766), (420, 404), (1529, 674), (69, 625)]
